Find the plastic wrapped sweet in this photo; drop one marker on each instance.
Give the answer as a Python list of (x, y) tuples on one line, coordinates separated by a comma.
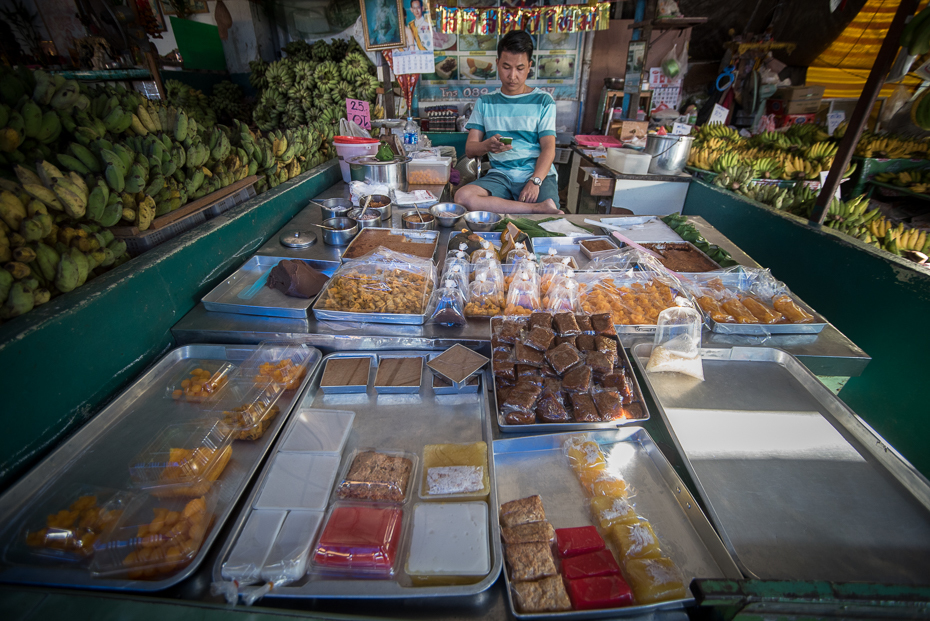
[(563, 296), (485, 298), (382, 281), (449, 544), (248, 409), (360, 539), (486, 251), (551, 271), (599, 592), (378, 476), (70, 533), (456, 258), (529, 561), (677, 343), (577, 541), (459, 275), (609, 511), (553, 257), (790, 309), (631, 299), (450, 306), (455, 470), (491, 270), (518, 253), (590, 565), (203, 381), (636, 540), (584, 454), (655, 580), (602, 483), (746, 295), (546, 595), (523, 296), (252, 546), (522, 511), (532, 532)]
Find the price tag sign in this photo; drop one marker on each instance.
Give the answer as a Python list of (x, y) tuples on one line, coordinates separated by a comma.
[(833, 121), (823, 180), (359, 112), (719, 115), (681, 129)]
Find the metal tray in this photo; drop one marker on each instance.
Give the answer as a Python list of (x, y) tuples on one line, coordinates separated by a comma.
[(394, 318), (402, 422), (642, 228), (100, 453), (688, 245), (798, 486), (568, 247), (426, 237), (731, 281), (495, 238), (536, 465), (563, 427), (245, 292)]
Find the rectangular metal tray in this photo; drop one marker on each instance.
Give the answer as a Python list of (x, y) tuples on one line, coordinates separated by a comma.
[(393, 318), (564, 427), (688, 244), (642, 228), (402, 422), (797, 485), (100, 453), (567, 247), (426, 237), (245, 291), (730, 280), (537, 465)]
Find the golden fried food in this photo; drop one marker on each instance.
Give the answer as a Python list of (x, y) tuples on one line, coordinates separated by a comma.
[(631, 305), (284, 372), (762, 312), (75, 529), (384, 291), (790, 309), (170, 541), (201, 385)]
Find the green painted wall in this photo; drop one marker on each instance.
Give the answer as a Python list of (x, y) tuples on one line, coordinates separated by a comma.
[(877, 300), (60, 363)]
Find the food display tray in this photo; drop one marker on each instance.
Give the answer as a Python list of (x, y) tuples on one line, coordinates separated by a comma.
[(246, 291), (404, 422), (323, 314), (585, 277), (100, 453), (684, 245), (797, 485), (642, 228), (563, 427), (568, 247), (730, 280), (425, 237), (537, 465)]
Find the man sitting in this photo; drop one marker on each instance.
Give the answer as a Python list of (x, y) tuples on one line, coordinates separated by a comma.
[(522, 178)]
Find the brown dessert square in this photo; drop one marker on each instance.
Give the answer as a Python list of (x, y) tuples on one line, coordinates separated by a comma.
[(522, 511), (522, 397), (539, 338), (608, 405), (527, 355), (599, 362), (550, 409), (505, 370), (566, 339), (399, 372), (607, 345), (529, 561), (534, 532), (546, 595), (532, 375), (346, 372), (578, 379), (566, 325), (585, 342), (603, 324), (457, 363), (376, 476), (510, 331), (584, 324), (563, 357), (541, 320), (515, 417), (583, 408)]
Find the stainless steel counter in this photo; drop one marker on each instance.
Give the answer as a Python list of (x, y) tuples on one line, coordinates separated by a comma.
[(829, 353)]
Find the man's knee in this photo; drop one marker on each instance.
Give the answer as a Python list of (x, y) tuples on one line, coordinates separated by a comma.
[(465, 193)]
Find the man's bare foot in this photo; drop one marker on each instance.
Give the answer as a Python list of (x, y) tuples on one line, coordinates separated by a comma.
[(547, 206)]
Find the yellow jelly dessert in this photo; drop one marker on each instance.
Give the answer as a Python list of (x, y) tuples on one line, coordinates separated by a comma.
[(610, 511), (586, 456), (654, 580), (635, 540), (602, 483)]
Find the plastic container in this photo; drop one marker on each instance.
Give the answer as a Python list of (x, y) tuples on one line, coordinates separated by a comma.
[(452, 471), (247, 408), (199, 380), (377, 475), (155, 536), (287, 559), (636, 163), (248, 554), (350, 146), (360, 540), (448, 544), (279, 361), (319, 431), (298, 481), (429, 172), (66, 528), (184, 460)]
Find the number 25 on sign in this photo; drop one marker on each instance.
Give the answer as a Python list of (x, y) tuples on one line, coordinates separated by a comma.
[(359, 112)]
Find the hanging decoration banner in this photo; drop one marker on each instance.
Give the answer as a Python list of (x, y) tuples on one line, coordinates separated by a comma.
[(560, 19)]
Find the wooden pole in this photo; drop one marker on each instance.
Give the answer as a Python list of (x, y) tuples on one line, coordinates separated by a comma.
[(873, 85), (156, 76)]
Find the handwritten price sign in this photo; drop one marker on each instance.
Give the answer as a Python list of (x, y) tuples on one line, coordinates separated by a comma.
[(359, 112)]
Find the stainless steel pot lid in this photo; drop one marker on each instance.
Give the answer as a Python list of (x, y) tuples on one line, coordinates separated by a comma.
[(298, 239)]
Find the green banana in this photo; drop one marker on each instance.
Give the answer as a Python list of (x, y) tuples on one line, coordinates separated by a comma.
[(112, 212), (47, 259), (72, 163), (41, 296), (67, 274), (66, 95), (32, 118), (83, 266), (31, 229), (180, 132), (6, 283), (51, 127), (115, 179), (97, 201), (70, 196), (19, 301)]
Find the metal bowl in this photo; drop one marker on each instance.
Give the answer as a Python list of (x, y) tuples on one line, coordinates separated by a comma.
[(447, 213), (334, 207), (371, 218), (385, 211), (348, 229), (428, 224), (482, 221)]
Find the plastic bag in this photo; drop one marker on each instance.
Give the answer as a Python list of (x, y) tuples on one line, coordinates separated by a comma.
[(632, 298), (456, 257), (486, 251), (563, 296), (519, 252), (450, 306), (492, 271), (746, 295), (351, 128), (677, 344), (671, 65), (553, 256), (360, 189), (485, 298), (523, 295), (531, 268), (550, 271), (382, 281), (457, 274)]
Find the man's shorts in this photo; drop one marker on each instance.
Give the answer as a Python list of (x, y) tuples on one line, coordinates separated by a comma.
[(500, 185)]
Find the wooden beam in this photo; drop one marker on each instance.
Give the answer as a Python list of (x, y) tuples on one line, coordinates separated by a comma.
[(873, 85)]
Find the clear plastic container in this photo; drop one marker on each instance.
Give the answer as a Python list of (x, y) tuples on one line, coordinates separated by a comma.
[(248, 407), (360, 539), (448, 544), (298, 481), (155, 536), (378, 475), (248, 554), (66, 528), (429, 172), (288, 557), (319, 431), (453, 471), (199, 380), (278, 361), (184, 460)]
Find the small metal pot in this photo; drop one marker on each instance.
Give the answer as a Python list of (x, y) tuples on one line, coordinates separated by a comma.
[(392, 174), (385, 211), (368, 221), (348, 229), (334, 207), (410, 220)]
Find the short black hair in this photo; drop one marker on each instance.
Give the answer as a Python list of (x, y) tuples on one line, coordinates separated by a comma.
[(516, 42)]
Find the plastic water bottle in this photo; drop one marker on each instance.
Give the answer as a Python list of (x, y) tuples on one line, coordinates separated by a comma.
[(411, 135)]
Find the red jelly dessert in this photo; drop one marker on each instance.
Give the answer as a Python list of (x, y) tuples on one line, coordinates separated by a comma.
[(577, 541), (360, 538), (599, 592), (600, 563)]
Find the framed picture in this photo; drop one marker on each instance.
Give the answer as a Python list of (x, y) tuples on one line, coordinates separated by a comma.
[(193, 6), (383, 24), (155, 5)]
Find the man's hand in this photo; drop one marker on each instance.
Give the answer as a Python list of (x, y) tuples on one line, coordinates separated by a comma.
[(530, 192), (494, 144)]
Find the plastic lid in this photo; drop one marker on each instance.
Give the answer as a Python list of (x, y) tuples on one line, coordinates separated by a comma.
[(354, 140), (248, 408), (281, 362), (288, 557), (361, 539), (252, 546), (298, 481), (200, 381), (321, 431)]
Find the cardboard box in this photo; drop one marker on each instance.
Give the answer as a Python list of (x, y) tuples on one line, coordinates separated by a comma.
[(597, 181), (785, 120), (631, 129), (796, 100)]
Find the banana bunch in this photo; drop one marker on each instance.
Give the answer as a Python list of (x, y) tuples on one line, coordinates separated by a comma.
[(727, 160), (766, 168), (195, 104), (227, 101), (796, 167), (890, 146), (703, 158), (821, 151), (718, 130), (914, 180), (734, 177)]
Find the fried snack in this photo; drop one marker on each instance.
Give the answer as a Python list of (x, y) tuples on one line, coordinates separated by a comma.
[(183, 464), (791, 310), (739, 312), (169, 542), (522, 511), (284, 372), (534, 532), (384, 291), (710, 306), (74, 530), (631, 305), (529, 561), (763, 313), (376, 476), (252, 421), (546, 595), (201, 385)]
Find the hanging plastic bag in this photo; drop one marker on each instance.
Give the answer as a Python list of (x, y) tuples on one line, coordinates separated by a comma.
[(677, 344), (449, 308), (671, 68)]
